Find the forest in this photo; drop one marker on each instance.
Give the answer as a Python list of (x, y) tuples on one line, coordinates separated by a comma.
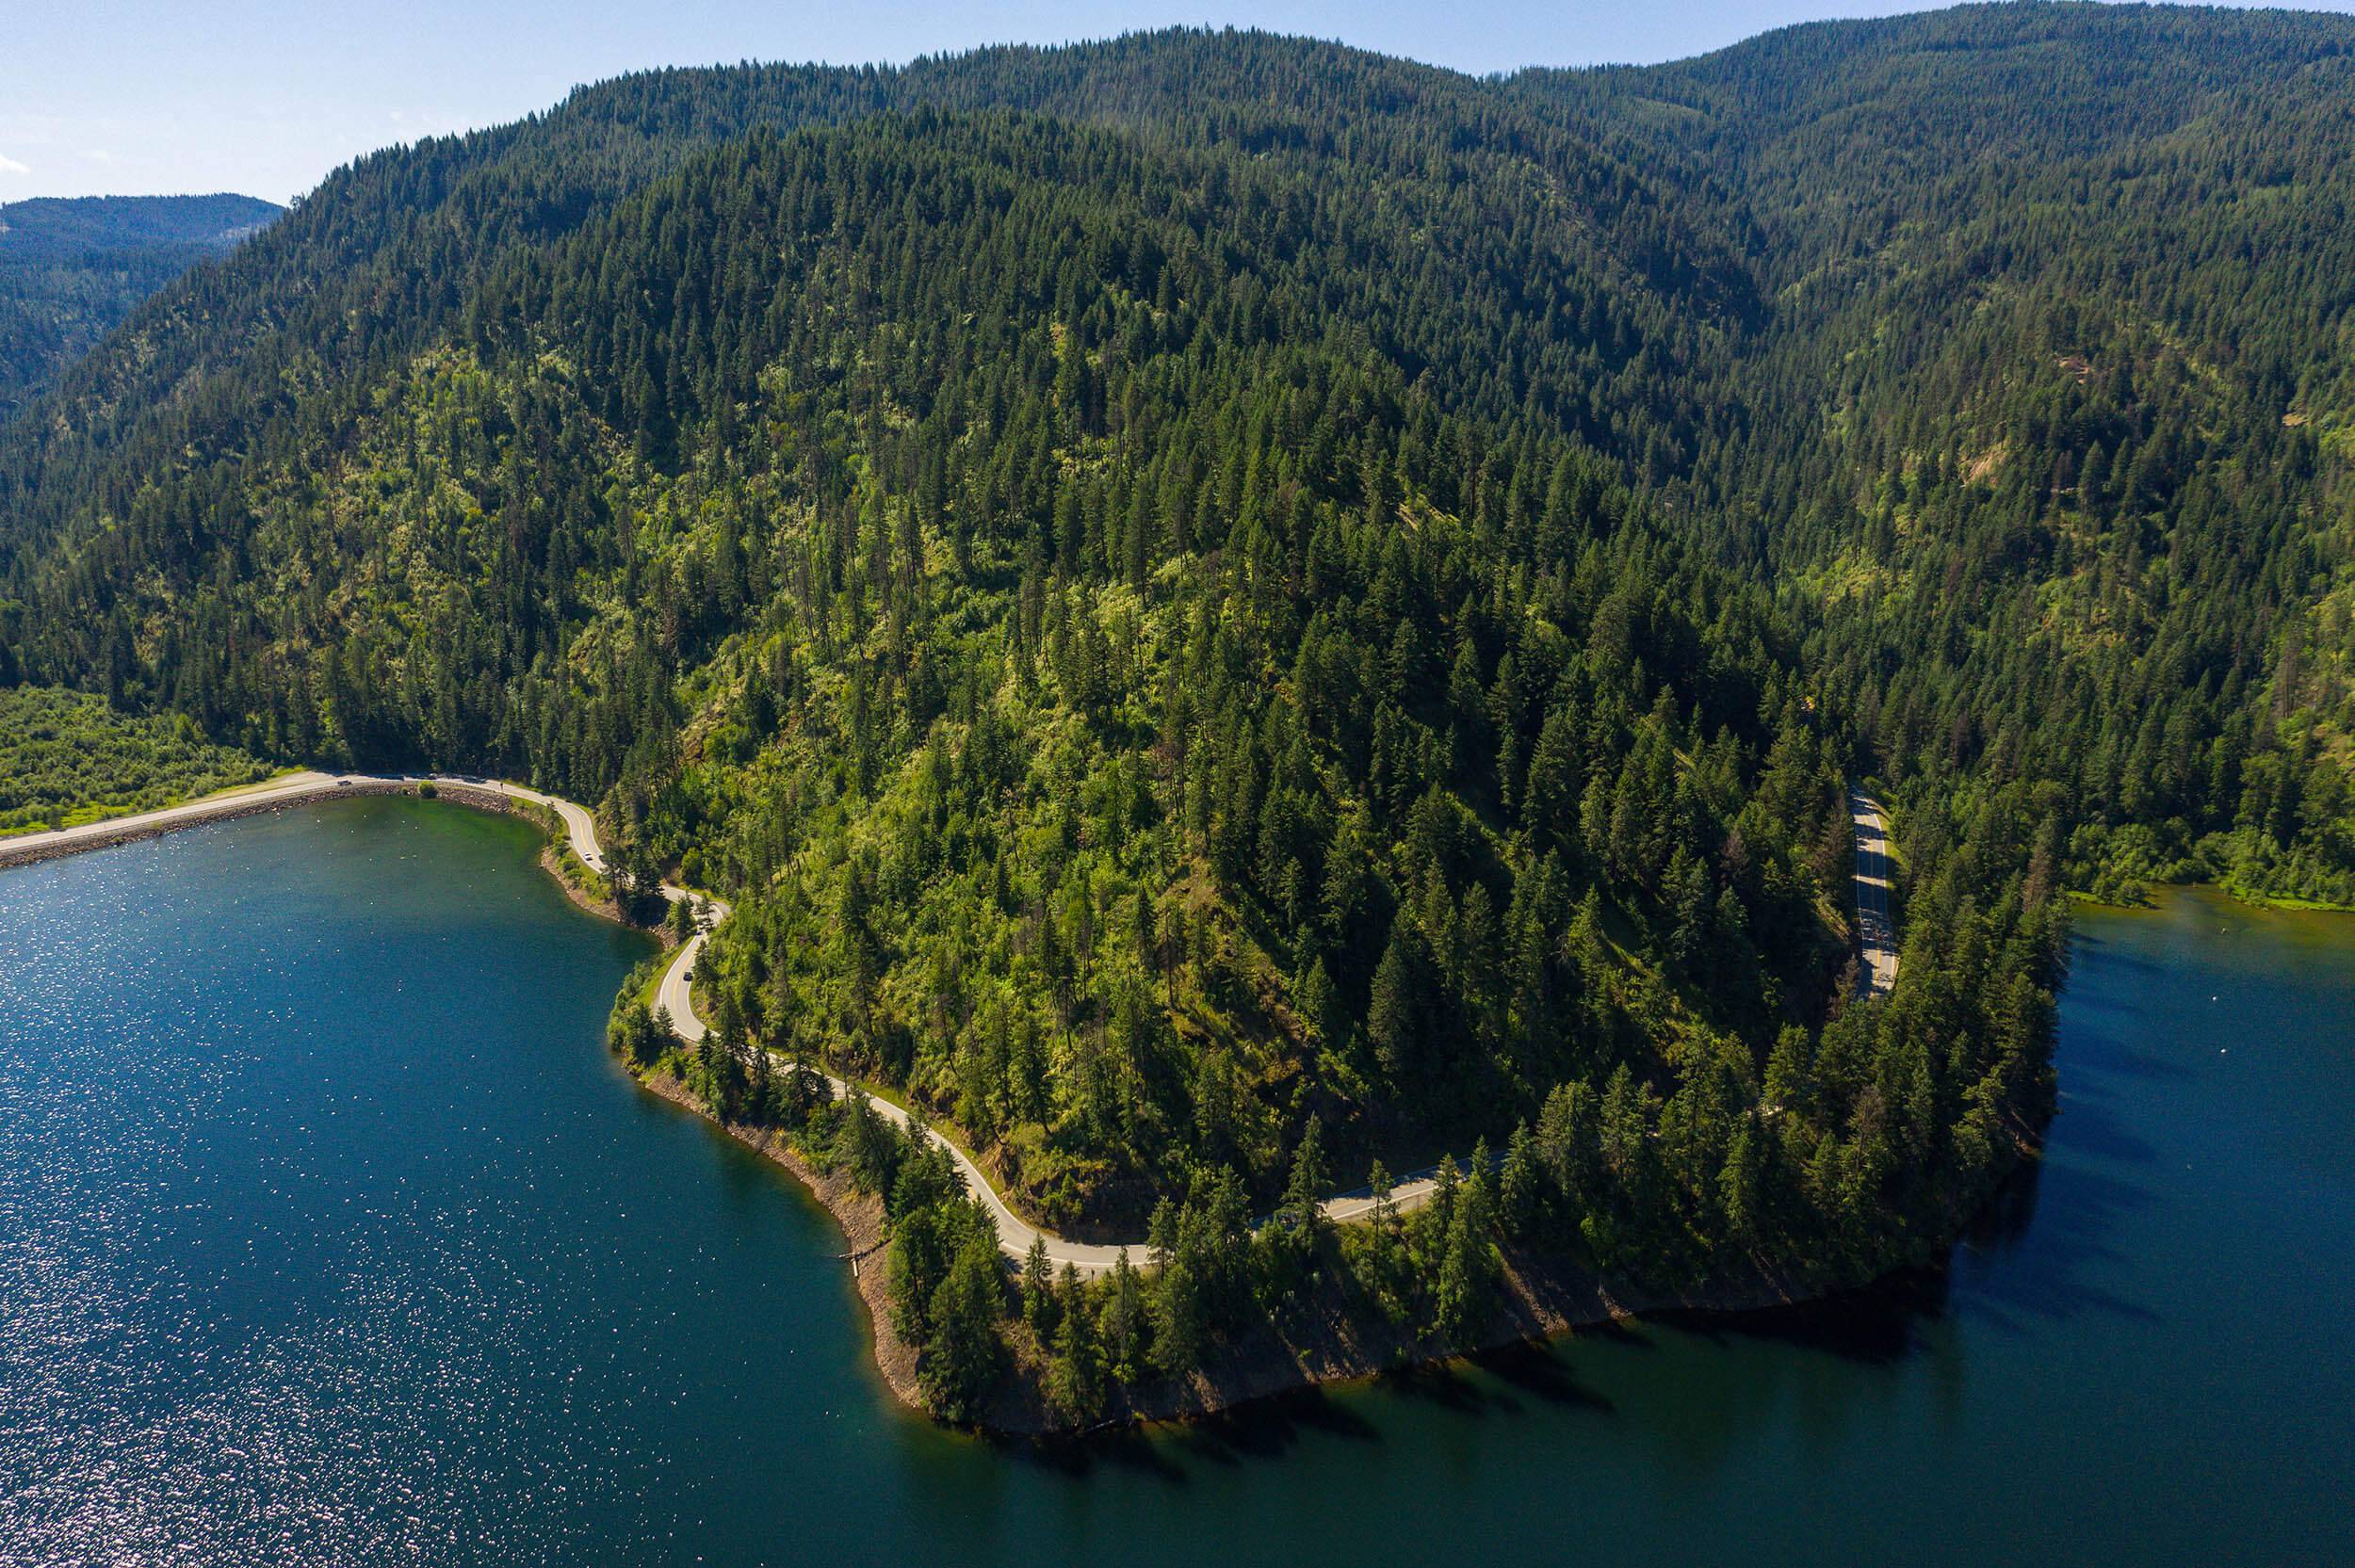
[(71, 270), (67, 758), (1233, 614)]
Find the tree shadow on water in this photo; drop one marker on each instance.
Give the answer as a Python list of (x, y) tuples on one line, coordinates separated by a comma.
[(2089, 1122), (1876, 1325), (1540, 1369), (1503, 1381), (1266, 1427), (2025, 1256), (1135, 1449), (2102, 1051), (1262, 1429), (2012, 1280), (1445, 1386)]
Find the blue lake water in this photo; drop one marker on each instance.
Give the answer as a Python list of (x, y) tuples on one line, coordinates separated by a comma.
[(329, 1235)]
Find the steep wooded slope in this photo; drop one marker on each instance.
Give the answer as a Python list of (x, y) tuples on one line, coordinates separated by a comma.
[(69, 271), (2051, 425)]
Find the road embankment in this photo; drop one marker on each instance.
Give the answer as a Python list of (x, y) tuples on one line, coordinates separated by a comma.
[(1336, 1341), (278, 795)]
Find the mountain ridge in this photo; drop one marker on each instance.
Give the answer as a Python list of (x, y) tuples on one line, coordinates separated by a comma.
[(72, 269)]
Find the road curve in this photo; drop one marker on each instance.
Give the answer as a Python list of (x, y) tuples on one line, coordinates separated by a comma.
[(673, 994), (291, 789), (1877, 933), (1016, 1235)]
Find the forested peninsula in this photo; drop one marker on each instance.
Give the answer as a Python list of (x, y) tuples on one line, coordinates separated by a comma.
[(1233, 616)]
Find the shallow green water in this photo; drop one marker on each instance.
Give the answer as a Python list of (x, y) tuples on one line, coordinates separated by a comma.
[(329, 1235)]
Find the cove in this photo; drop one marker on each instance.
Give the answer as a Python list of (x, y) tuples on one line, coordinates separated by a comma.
[(328, 1233)]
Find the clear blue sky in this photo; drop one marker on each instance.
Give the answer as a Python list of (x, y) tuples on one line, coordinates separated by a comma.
[(266, 96)]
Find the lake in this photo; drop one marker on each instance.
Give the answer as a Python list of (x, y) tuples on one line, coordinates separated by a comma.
[(328, 1233)]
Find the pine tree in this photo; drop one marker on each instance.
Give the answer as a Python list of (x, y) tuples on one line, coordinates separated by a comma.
[(1124, 1320), (1039, 1305), (1743, 1184), (1180, 1330), (1517, 1189), (1075, 1384), (960, 1368), (1311, 1180), (1393, 1012)]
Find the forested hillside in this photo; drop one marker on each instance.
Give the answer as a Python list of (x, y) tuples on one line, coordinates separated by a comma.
[(2054, 420), (70, 269), (1226, 609)]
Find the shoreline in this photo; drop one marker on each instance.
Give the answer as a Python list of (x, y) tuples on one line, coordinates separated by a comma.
[(1542, 1299), (552, 862), (1541, 1296), (2145, 902), (859, 1216), (251, 801), (138, 827), (569, 833)]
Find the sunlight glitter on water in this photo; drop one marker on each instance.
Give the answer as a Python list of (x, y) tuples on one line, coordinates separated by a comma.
[(329, 1235)]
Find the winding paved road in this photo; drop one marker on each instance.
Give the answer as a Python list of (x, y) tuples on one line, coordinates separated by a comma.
[(674, 996), (675, 992), (1877, 933), (290, 790)]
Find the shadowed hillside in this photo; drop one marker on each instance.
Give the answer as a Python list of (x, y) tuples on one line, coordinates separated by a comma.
[(70, 270)]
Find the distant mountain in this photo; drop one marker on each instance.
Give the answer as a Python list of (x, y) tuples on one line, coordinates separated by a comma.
[(72, 269), (51, 228)]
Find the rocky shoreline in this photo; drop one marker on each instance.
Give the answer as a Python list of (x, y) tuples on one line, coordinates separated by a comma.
[(1541, 1297)]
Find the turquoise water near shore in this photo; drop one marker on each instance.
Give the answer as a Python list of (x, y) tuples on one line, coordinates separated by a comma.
[(329, 1235)]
